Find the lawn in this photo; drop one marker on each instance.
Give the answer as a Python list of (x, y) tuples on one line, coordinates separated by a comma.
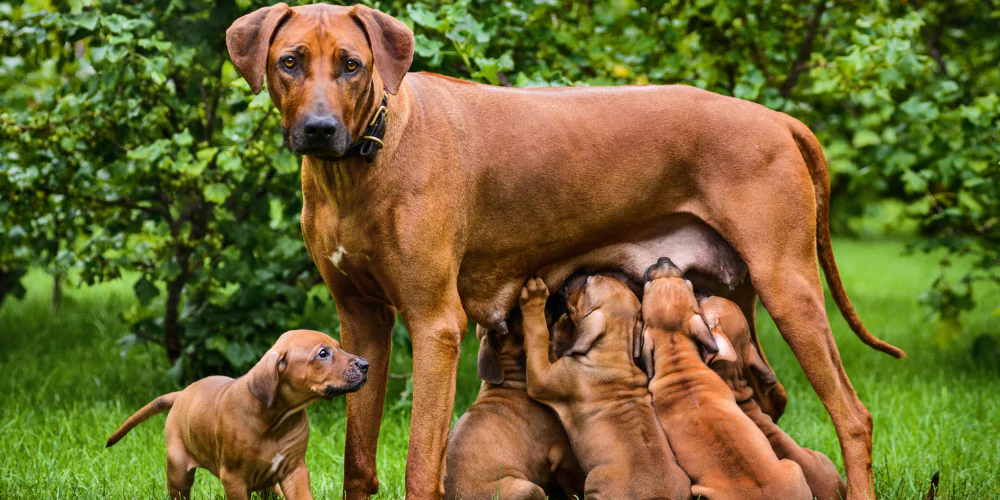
[(66, 387)]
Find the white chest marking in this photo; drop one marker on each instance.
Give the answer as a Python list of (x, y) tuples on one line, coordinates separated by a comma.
[(276, 462), (338, 256)]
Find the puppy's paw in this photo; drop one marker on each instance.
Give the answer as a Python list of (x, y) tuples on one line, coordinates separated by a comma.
[(534, 294)]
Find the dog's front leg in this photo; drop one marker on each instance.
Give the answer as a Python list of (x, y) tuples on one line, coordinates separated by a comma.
[(437, 336), (295, 484), (366, 331), (234, 485)]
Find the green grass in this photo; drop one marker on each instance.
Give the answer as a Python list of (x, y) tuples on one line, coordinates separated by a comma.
[(65, 387)]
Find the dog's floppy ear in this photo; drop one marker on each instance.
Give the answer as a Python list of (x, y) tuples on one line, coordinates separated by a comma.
[(759, 369), (701, 333), (726, 350), (249, 39), (392, 45), (490, 369), (588, 331), (645, 358), (263, 377)]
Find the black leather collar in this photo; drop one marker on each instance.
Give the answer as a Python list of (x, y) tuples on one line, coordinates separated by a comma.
[(368, 146)]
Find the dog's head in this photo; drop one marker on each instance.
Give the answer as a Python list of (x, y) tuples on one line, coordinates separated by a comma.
[(305, 366), (602, 312), (738, 357), (669, 308), (325, 68)]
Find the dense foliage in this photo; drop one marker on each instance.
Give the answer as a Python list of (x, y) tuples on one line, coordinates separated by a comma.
[(131, 145)]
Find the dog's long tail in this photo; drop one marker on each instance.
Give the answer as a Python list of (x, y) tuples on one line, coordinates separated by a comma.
[(158, 405), (932, 492), (818, 170)]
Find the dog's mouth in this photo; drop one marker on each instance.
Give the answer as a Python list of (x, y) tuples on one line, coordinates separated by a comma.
[(333, 391)]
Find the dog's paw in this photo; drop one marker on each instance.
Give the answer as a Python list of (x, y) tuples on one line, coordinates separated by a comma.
[(534, 294)]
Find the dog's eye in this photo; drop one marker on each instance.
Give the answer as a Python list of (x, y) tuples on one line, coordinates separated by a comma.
[(289, 62), (323, 354), (351, 66)]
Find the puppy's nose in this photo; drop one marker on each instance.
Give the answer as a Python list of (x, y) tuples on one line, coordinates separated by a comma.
[(361, 364), (319, 127)]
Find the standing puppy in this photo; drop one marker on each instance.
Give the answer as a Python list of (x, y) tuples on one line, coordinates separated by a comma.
[(600, 394), (738, 359), (719, 447), (507, 443), (252, 432)]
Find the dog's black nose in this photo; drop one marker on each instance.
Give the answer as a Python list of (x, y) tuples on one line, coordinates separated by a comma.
[(319, 127), (361, 364)]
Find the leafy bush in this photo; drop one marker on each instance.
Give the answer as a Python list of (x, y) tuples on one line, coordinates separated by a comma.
[(131, 145)]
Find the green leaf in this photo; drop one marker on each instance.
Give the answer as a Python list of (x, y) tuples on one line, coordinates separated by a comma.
[(864, 138), (184, 138), (216, 193), (145, 291)]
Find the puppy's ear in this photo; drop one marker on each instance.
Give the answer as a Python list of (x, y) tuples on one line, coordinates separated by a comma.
[(562, 335), (726, 350), (249, 39), (263, 377), (645, 358), (699, 330), (392, 45), (490, 368), (587, 332), (766, 378)]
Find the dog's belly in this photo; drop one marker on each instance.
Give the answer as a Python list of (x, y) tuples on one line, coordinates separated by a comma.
[(488, 294)]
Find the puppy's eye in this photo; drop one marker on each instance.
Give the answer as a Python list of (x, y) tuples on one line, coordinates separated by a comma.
[(289, 62), (351, 66), (323, 354)]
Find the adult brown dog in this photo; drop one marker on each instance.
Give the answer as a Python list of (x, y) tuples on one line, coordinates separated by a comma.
[(479, 187), (600, 394), (738, 357), (720, 448), (252, 432), (508, 444)]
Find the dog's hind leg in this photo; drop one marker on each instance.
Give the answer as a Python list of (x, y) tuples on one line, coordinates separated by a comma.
[(180, 474), (778, 243), (512, 488)]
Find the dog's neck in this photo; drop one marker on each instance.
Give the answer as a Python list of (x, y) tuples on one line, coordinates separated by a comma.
[(351, 182), (679, 368)]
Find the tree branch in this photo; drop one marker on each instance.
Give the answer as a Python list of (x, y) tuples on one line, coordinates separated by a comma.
[(805, 50)]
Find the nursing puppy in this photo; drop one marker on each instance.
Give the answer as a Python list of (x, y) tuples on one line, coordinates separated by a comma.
[(252, 432), (721, 450), (599, 394), (507, 443), (738, 359)]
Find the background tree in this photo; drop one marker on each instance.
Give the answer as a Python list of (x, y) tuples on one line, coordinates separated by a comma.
[(132, 146)]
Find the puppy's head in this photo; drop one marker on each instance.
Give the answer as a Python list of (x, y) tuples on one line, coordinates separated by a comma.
[(603, 311), (305, 366), (738, 357), (669, 308)]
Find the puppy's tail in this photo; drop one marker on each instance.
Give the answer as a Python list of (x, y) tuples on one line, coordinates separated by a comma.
[(934, 486), (156, 406), (818, 171)]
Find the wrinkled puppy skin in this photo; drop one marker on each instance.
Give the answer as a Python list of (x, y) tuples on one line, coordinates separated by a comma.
[(729, 327), (507, 443), (599, 394), (717, 445)]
